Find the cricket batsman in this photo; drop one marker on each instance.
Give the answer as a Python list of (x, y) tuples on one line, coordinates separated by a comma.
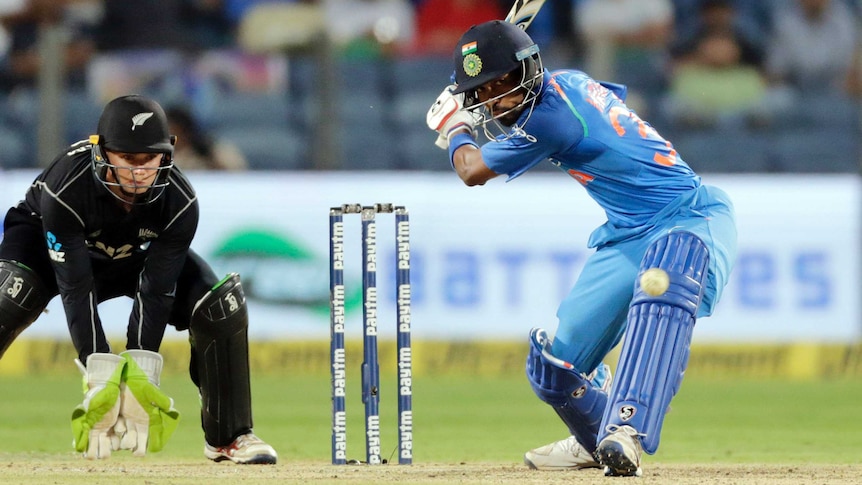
[(661, 260)]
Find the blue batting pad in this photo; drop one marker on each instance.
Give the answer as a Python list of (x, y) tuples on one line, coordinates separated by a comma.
[(656, 345), (578, 402)]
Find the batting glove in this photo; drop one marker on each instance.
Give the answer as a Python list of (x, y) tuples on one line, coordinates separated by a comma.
[(93, 419), (447, 116), (147, 416)]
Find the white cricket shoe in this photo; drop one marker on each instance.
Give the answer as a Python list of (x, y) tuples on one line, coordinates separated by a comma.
[(620, 453), (247, 449), (565, 454)]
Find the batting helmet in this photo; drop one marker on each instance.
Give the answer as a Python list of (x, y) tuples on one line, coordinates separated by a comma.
[(489, 51)]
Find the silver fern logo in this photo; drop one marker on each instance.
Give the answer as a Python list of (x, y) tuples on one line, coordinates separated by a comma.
[(139, 119)]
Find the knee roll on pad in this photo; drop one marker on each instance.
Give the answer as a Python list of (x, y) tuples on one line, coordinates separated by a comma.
[(576, 401), (23, 297), (656, 345), (218, 332)]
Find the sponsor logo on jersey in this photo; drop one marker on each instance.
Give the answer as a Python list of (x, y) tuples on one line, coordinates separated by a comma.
[(147, 234), (55, 248)]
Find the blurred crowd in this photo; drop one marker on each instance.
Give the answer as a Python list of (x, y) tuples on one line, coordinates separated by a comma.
[(738, 85)]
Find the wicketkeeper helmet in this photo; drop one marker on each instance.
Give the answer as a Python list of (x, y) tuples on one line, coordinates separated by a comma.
[(133, 124)]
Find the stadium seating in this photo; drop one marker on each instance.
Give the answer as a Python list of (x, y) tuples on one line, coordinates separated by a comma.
[(274, 148), (13, 149), (723, 151), (375, 113)]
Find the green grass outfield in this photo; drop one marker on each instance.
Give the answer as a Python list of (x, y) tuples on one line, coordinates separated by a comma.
[(465, 419)]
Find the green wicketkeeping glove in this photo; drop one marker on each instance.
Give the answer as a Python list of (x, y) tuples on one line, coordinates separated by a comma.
[(147, 415), (93, 419)]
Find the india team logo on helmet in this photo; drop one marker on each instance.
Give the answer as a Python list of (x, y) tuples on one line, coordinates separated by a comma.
[(488, 52), (472, 65), (472, 61)]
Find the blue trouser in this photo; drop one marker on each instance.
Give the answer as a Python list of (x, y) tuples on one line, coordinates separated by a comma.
[(592, 317)]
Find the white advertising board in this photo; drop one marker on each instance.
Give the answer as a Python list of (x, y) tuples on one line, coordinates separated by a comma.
[(494, 261)]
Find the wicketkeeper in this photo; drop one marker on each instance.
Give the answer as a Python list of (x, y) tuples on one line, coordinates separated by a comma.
[(111, 216)]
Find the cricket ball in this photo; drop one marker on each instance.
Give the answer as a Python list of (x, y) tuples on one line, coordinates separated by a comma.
[(655, 281)]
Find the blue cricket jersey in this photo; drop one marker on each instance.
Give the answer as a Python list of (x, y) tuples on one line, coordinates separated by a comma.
[(583, 127)]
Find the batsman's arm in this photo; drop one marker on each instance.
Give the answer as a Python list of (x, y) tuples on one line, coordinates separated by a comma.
[(467, 160)]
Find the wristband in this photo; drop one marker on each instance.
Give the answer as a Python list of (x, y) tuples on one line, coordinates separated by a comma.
[(457, 141)]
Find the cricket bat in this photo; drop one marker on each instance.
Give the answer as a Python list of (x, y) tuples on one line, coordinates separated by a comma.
[(523, 12)]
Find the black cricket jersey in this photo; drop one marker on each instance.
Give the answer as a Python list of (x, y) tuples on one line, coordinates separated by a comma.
[(91, 239)]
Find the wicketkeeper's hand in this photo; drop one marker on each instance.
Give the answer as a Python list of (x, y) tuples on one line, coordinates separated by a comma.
[(93, 419), (147, 416), (447, 115)]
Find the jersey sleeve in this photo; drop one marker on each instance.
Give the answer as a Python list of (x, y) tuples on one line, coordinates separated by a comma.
[(553, 127), (155, 293), (514, 156), (63, 228)]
